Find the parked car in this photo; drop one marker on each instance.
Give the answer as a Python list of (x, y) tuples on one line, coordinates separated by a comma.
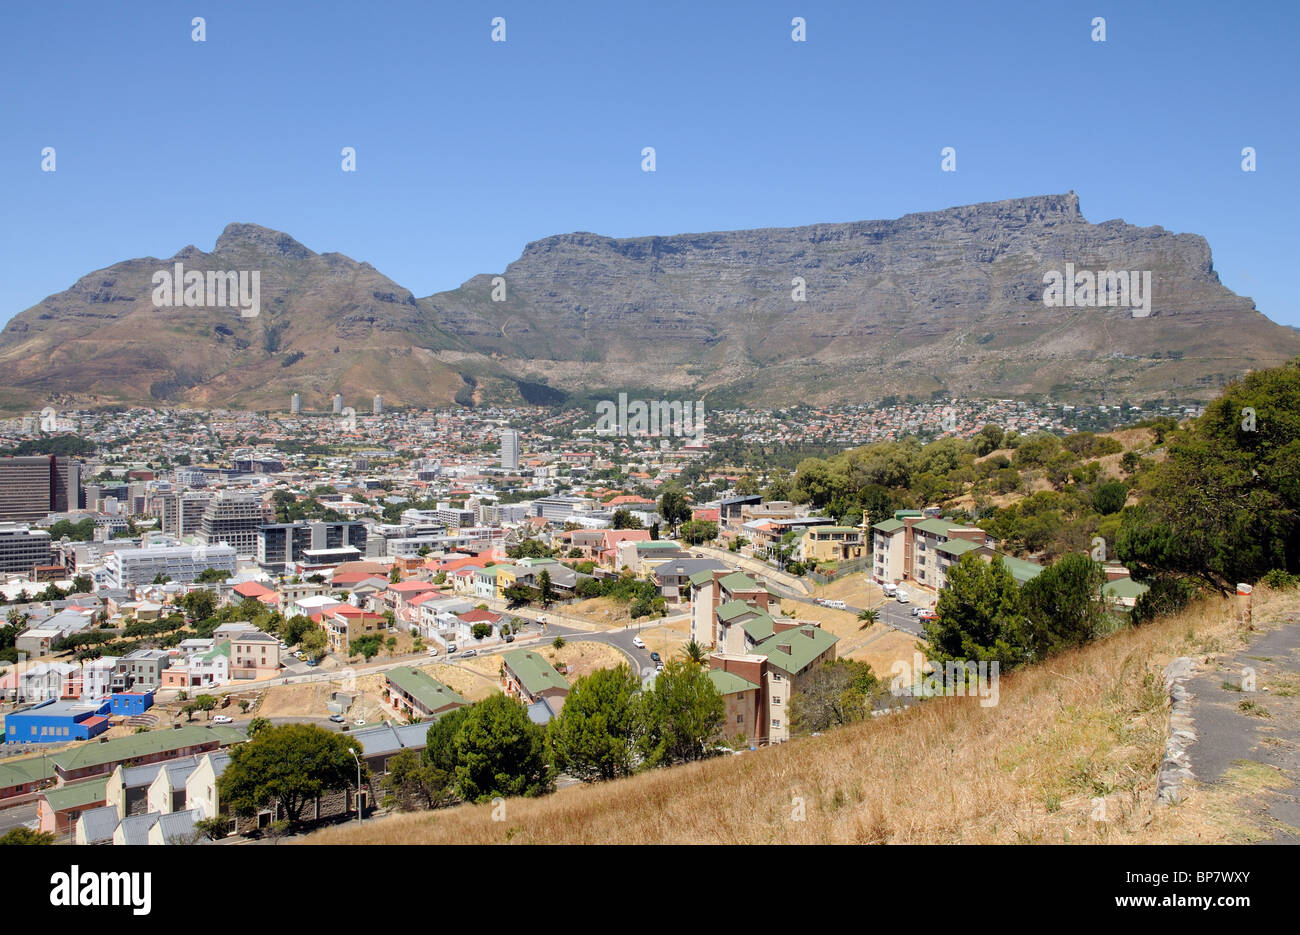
[(836, 605), (432, 651), (918, 610), (311, 662), (654, 657), (929, 615), (451, 648), (297, 654), (469, 652), (510, 638), (360, 722), (337, 718), (223, 719), (638, 642)]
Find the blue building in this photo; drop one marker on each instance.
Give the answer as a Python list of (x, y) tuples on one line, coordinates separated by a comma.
[(56, 721), (129, 704)]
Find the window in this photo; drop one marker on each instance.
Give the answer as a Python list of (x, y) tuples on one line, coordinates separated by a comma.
[(776, 722), (740, 719)]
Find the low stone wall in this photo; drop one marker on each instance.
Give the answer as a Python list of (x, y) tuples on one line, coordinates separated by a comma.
[(1176, 767)]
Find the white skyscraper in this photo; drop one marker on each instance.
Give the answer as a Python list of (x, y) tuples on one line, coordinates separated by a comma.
[(338, 403), (379, 406), (295, 404), (510, 449)]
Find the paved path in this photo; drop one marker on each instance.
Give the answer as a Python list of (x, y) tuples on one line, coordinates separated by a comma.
[(1240, 730)]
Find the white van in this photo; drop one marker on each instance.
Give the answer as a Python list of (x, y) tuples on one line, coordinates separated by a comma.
[(902, 596), (837, 605), (890, 589)]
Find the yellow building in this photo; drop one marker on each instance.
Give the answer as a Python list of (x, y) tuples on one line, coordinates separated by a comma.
[(831, 544)]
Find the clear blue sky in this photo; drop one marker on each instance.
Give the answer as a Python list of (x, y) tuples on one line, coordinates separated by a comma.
[(467, 149)]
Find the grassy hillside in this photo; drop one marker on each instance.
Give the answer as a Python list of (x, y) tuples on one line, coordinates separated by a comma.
[(1086, 725)]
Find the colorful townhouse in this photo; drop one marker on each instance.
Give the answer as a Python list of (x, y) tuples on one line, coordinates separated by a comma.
[(413, 693), (527, 676)]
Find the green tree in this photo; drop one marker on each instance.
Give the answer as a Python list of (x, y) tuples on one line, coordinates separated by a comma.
[(869, 616), (834, 693), (412, 783), (595, 735), (212, 828), (679, 715), (1224, 506), (623, 519), (290, 765), (980, 615), (694, 653), (697, 531), (441, 740), (545, 589), (258, 724), (313, 643), (500, 751), (1063, 606), (206, 703), (673, 506), (22, 835), (1109, 498), (211, 574), (200, 604)]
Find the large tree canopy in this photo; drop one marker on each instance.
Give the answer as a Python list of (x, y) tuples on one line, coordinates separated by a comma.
[(290, 764), (1224, 506)]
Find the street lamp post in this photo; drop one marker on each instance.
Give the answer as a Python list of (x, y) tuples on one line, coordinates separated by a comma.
[(353, 751)]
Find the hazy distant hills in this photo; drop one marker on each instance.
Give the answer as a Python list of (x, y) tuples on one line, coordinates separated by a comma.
[(947, 301)]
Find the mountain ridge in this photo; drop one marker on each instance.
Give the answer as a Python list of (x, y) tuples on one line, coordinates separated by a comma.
[(945, 302)]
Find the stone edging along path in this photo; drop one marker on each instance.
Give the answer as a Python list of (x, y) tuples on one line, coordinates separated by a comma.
[(1176, 768)]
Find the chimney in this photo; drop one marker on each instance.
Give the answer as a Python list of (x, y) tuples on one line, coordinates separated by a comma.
[(808, 632)]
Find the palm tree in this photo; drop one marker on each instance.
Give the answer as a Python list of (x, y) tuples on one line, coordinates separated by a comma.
[(868, 617), (694, 653)]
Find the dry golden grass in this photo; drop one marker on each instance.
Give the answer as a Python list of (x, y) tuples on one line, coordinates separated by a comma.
[(1086, 727), (857, 590), (474, 685), (880, 647)]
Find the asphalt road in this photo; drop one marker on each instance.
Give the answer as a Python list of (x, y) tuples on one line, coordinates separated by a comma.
[(17, 817)]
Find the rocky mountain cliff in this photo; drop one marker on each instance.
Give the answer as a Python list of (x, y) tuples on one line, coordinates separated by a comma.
[(941, 302)]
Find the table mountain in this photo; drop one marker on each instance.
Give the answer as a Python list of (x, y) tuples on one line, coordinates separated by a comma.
[(943, 302)]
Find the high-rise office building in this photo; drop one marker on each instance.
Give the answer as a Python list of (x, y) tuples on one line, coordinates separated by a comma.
[(182, 513), (379, 406), (232, 517), (338, 403), (295, 404), (33, 487), (283, 544), (22, 548), (510, 449), (129, 568)]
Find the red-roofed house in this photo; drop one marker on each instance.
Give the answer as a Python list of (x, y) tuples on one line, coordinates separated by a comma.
[(255, 591), (465, 628), (398, 596), (345, 623), (608, 555)]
